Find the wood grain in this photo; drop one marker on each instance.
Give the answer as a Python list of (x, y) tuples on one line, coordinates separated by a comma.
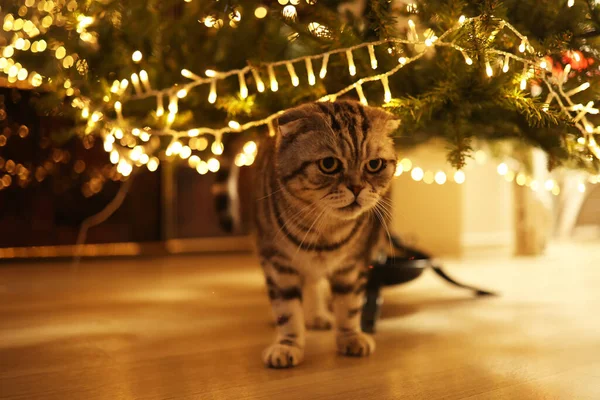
[(193, 327)]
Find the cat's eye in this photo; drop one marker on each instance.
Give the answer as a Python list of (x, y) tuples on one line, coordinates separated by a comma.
[(375, 165), (330, 165)]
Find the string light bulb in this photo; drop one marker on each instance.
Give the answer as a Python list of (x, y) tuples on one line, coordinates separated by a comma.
[(351, 66), (160, 110), (243, 87), (506, 65), (522, 47), (212, 95), (323, 71), (440, 177), (417, 174), (468, 59), (387, 94), (459, 177), (488, 69), (260, 85), (310, 72), (136, 56), (292, 72), (372, 56), (272, 79), (361, 95), (145, 81)]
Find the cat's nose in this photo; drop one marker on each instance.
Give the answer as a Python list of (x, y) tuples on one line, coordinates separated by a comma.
[(356, 189)]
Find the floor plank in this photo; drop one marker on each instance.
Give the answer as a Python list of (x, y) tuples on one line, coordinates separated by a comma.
[(193, 327)]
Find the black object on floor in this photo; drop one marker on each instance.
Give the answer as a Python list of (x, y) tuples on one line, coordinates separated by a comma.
[(401, 269)]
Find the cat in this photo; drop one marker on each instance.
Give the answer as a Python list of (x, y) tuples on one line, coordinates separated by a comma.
[(321, 202)]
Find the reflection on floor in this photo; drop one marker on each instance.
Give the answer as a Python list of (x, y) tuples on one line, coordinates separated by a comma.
[(194, 327)]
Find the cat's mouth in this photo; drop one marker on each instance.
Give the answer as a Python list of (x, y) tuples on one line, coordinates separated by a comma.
[(351, 207)]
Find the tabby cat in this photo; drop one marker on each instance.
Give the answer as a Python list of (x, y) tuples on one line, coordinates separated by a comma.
[(320, 206)]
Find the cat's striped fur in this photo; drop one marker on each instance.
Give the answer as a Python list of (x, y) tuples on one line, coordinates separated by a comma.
[(313, 225)]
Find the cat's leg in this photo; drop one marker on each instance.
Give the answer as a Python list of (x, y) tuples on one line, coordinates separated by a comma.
[(348, 289), (285, 293), (315, 293)]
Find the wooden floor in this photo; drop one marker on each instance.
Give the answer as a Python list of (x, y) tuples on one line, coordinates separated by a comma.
[(194, 328)]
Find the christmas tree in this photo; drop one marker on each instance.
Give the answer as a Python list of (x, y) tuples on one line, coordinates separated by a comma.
[(200, 82)]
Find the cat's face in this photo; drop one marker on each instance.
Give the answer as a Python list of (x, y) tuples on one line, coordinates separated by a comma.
[(336, 156)]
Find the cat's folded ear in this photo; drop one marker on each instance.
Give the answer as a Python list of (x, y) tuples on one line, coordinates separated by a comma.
[(301, 118), (390, 122)]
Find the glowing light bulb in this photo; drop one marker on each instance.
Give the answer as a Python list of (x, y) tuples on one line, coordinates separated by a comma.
[(417, 174), (144, 79), (243, 87), (440, 177), (212, 96), (260, 85), (136, 82), (185, 152), (402, 60), (234, 125), (260, 12), (160, 110), (506, 66), (372, 57), (310, 72), (114, 157), (459, 177), (181, 93), (502, 169), (217, 148), (581, 187), (488, 69), (213, 165), (202, 167), (522, 47), (351, 66), (152, 164), (292, 72), (468, 59), (406, 164), (272, 79), (323, 71), (521, 179), (570, 3), (250, 147), (136, 56), (549, 185), (462, 19), (210, 73), (387, 94), (543, 64), (523, 83), (361, 95), (193, 132)]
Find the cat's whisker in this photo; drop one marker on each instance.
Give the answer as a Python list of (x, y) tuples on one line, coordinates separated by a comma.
[(271, 194), (308, 231), (384, 224)]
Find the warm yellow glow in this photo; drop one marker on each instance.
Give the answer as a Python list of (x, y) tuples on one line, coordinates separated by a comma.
[(136, 82), (361, 95), (152, 164), (123, 85), (406, 164), (543, 64), (398, 170), (535, 185), (523, 83), (234, 125), (181, 93), (510, 176), (522, 47), (570, 3), (60, 53), (250, 147), (160, 110), (292, 72), (212, 95), (402, 60), (372, 57), (22, 75), (145, 136), (217, 148), (36, 79), (144, 158), (114, 156), (428, 177), (136, 56), (240, 159), (135, 132), (578, 89), (323, 71), (193, 132), (488, 69), (193, 161), (260, 12), (173, 106), (8, 51), (108, 146), (549, 184), (310, 72), (185, 152), (417, 174), (243, 87), (387, 94), (581, 187), (118, 106), (556, 190), (289, 12), (459, 177), (210, 73), (260, 86), (144, 79), (506, 65), (171, 118), (202, 167), (440, 177), (502, 169), (272, 79), (521, 179), (213, 165), (351, 66), (462, 19)]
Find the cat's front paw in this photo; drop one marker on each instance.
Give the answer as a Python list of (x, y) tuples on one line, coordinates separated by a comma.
[(319, 321), (355, 344), (282, 356)]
